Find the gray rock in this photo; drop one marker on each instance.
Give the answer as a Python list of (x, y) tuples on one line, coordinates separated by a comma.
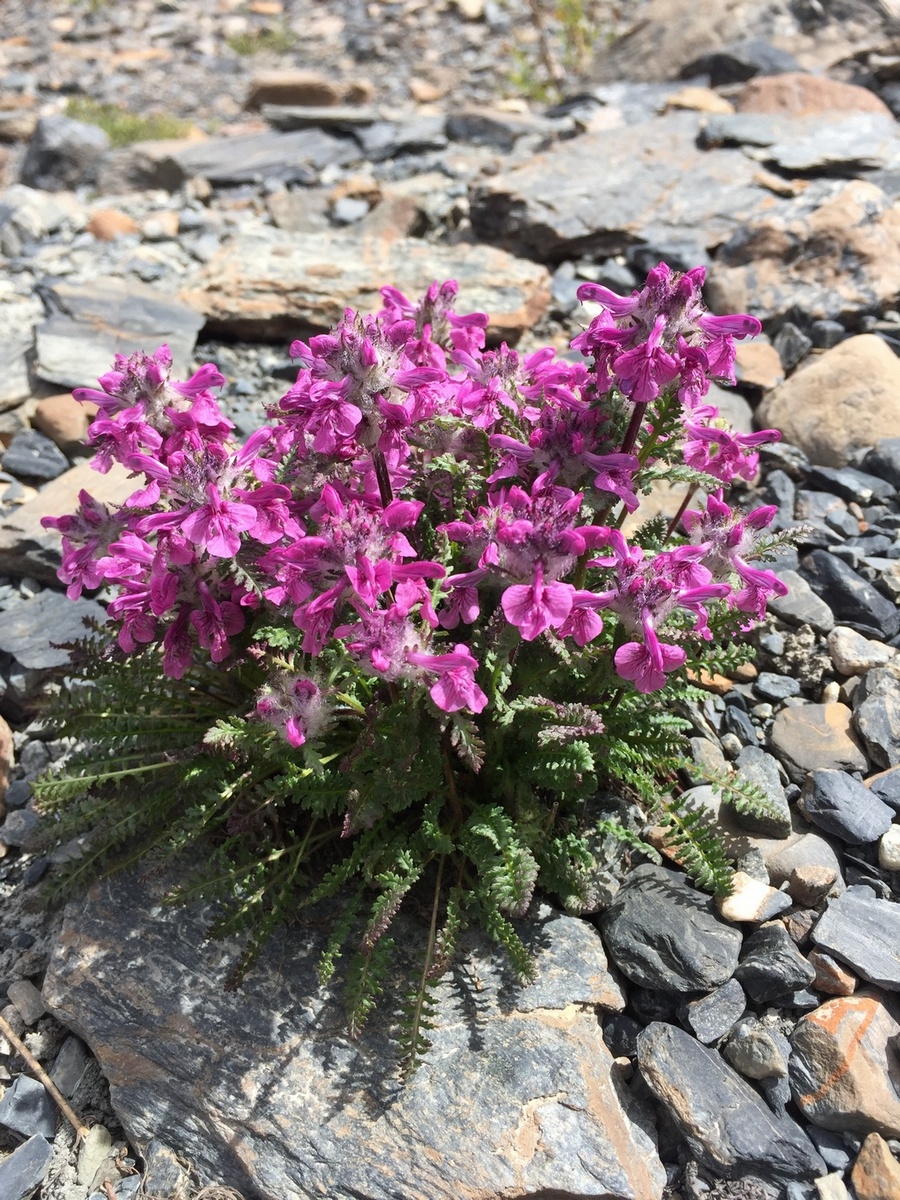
[(712, 1016), (727, 1125), (62, 154), (771, 966), (89, 324), (853, 600), (253, 158), (776, 687), (754, 1053), (801, 605), (757, 767), (740, 61), (826, 334), (876, 714), (165, 1178), (18, 827), (349, 209), (863, 932), (28, 629), (69, 1065), (27, 1108), (498, 130), (31, 455), (792, 345), (664, 934), (672, 195), (884, 460), (24, 1170), (850, 484), (886, 787), (851, 145), (296, 1108), (841, 805)]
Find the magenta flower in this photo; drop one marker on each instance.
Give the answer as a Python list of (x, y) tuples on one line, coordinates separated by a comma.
[(647, 664), (217, 525), (456, 687), (537, 606)]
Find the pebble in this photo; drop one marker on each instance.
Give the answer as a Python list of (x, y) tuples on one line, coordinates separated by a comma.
[(752, 901), (889, 849), (831, 976), (27, 999), (853, 654), (876, 1173), (816, 737), (712, 1016), (754, 1053)]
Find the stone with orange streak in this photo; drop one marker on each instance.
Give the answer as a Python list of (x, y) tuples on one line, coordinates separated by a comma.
[(845, 1067)]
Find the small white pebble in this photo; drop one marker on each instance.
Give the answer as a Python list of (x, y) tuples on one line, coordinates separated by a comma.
[(831, 692), (889, 849)]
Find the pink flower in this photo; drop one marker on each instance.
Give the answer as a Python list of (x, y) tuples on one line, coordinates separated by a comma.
[(646, 665), (456, 687), (217, 524), (537, 606)]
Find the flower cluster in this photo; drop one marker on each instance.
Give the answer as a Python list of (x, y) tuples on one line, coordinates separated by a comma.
[(417, 496)]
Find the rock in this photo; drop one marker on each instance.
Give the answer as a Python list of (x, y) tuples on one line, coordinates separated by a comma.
[(853, 654), (729, 1128), (792, 346), (28, 629), (160, 226), (808, 884), (771, 966), (714, 1015), (841, 805), (27, 999), (27, 1108), (487, 127), (276, 287), (295, 157), (831, 977), (90, 323), (755, 766), (847, 399), (776, 687), (31, 455), (853, 600), (24, 1170), (62, 154), (889, 849), (801, 605), (754, 1053), (798, 94), (64, 420), (751, 900), (863, 932), (843, 1062), (672, 195), (107, 224), (852, 485), (18, 828), (740, 61), (31, 213), (293, 86), (876, 714), (876, 1173), (664, 934), (886, 785), (883, 460), (295, 1107), (699, 99), (165, 1176), (69, 1066), (813, 737), (95, 1158)]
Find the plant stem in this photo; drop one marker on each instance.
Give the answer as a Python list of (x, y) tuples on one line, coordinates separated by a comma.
[(634, 425), (550, 65), (674, 522), (81, 1130), (381, 474)]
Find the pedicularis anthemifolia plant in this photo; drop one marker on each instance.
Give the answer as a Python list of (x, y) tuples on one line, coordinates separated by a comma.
[(394, 644)]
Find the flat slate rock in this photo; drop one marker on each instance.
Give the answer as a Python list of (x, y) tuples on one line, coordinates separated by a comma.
[(294, 157), (508, 1102), (24, 1170), (876, 713), (812, 737), (31, 455), (841, 805), (594, 195), (854, 142), (91, 322), (27, 629), (665, 935), (863, 932), (279, 286), (728, 1126)]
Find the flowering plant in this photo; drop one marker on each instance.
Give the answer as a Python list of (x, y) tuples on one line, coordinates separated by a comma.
[(411, 597)]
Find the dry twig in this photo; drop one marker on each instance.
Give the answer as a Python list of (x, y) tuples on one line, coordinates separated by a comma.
[(16, 1042)]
